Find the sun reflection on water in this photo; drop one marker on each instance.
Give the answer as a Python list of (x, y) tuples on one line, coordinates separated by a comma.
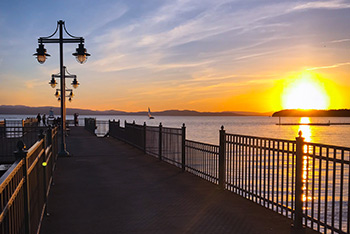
[(305, 128), (307, 134)]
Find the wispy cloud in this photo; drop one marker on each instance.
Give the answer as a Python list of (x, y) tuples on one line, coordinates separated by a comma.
[(103, 14), (145, 42), (329, 66), (333, 4), (340, 41)]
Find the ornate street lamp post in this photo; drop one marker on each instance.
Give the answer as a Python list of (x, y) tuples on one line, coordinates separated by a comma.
[(81, 56), (66, 74)]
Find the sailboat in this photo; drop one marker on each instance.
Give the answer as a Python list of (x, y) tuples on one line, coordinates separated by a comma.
[(149, 114)]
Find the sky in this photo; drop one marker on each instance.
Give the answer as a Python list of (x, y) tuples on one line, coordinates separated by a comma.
[(204, 55)]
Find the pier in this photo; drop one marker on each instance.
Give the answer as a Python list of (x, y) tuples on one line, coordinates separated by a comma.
[(108, 186), (152, 179)]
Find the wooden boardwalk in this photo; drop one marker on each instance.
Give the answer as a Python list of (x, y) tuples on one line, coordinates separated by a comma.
[(110, 187)]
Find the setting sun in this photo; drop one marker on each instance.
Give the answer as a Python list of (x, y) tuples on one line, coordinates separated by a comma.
[(305, 92)]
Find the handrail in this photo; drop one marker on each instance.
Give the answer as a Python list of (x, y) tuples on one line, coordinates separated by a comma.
[(9, 174), (11, 200), (21, 184)]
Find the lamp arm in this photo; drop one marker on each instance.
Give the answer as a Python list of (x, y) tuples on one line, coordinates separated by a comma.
[(64, 26), (51, 34), (66, 70)]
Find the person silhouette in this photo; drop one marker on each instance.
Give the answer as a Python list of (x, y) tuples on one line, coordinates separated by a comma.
[(44, 119), (38, 117), (76, 121)]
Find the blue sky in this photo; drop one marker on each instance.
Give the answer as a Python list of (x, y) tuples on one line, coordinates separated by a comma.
[(187, 54)]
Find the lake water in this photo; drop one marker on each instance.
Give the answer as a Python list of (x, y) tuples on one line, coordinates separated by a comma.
[(206, 129)]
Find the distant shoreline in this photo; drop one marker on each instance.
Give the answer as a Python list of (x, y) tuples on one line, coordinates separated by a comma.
[(26, 110), (312, 113)]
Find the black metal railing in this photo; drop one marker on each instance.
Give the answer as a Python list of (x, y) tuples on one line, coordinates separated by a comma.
[(203, 160), (164, 143), (275, 173), (307, 182), (90, 125), (10, 135), (152, 141), (326, 193), (25, 186), (262, 170), (134, 134), (171, 145)]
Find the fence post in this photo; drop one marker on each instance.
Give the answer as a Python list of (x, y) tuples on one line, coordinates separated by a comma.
[(183, 147), (44, 164), (22, 154), (222, 153), (49, 135), (160, 142), (297, 226), (144, 136)]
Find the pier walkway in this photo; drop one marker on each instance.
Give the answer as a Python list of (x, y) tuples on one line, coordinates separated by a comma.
[(110, 187)]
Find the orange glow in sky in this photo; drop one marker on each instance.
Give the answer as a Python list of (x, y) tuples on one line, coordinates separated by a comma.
[(211, 57)]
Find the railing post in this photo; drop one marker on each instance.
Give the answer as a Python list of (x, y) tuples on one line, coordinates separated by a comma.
[(297, 226), (44, 164), (22, 154), (160, 142), (183, 148), (49, 135), (222, 158), (41, 134), (144, 136)]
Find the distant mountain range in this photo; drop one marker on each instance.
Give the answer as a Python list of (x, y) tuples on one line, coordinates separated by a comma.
[(26, 110), (312, 113)]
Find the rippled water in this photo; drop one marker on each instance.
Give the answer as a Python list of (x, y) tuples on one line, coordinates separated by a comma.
[(206, 129)]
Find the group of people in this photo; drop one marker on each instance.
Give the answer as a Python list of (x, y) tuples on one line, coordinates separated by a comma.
[(43, 119), (51, 120), (55, 121)]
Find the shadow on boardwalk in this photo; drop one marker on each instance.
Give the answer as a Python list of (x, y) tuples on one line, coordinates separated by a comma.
[(110, 187)]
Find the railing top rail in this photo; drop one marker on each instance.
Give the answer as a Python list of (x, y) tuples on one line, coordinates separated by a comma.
[(328, 146), (7, 176), (152, 127), (322, 157), (293, 141), (134, 125), (262, 138), (169, 128), (34, 147), (201, 143)]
